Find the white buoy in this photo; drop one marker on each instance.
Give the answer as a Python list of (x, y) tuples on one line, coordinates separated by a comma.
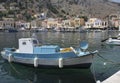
[(98, 81), (35, 62), (60, 62), (104, 63), (2, 52), (10, 58)]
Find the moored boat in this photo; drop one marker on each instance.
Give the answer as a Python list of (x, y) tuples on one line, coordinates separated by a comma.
[(112, 40), (30, 52)]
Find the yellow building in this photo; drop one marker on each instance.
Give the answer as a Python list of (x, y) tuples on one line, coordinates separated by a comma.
[(66, 23), (74, 22), (7, 23), (57, 23), (79, 22), (52, 23)]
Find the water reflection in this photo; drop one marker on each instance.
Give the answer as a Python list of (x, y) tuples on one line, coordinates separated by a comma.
[(107, 63), (14, 73), (24, 74), (32, 75)]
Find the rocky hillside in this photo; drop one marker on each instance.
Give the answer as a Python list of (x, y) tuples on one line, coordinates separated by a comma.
[(25, 9), (93, 8)]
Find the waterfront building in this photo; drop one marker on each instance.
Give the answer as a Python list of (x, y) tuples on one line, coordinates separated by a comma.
[(74, 22), (7, 23), (40, 16), (79, 22), (13, 6), (116, 23), (44, 23), (2, 8), (33, 24), (66, 23), (96, 23), (22, 25), (52, 23), (39, 23), (1, 24), (58, 23), (114, 20), (18, 24)]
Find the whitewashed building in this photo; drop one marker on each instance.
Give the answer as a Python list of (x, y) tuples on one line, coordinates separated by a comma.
[(22, 25), (33, 25), (96, 23)]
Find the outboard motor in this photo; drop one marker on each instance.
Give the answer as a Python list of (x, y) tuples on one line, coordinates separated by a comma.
[(83, 47)]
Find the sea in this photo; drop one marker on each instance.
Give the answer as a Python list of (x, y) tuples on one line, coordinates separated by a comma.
[(105, 63)]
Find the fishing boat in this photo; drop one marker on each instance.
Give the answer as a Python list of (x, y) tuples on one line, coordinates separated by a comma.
[(30, 52), (112, 40)]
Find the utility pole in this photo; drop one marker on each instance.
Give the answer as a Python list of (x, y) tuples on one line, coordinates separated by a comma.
[(119, 20)]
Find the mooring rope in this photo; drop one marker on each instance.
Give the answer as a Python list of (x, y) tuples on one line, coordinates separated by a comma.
[(93, 65), (108, 60), (93, 69), (29, 81), (14, 68), (94, 73)]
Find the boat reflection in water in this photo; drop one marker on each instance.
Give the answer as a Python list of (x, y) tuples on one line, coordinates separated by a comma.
[(35, 75)]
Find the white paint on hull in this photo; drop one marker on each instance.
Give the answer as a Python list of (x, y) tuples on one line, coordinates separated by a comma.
[(52, 61)]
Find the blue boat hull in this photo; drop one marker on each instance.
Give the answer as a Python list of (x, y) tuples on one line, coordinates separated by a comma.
[(43, 62)]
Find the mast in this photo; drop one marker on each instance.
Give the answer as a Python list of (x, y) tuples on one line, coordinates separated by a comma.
[(108, 18)]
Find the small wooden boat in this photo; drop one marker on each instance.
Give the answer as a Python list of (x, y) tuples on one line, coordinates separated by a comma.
[(48, 56)]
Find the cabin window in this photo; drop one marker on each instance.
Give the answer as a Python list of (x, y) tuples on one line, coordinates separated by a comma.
[(24, 43), (34, 41)]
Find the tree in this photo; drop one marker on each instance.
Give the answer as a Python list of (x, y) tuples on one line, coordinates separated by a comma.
[(84, 17)]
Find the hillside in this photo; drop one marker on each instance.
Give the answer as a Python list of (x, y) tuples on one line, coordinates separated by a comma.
[(26, 9), (93, 8)]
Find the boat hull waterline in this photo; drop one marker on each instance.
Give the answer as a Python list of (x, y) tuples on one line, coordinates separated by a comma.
[(36, 61)]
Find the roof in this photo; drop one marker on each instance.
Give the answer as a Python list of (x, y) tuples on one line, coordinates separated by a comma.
[(26, 38), (49, 46)]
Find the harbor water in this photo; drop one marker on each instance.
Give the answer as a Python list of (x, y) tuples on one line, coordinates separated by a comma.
[(104, 65)]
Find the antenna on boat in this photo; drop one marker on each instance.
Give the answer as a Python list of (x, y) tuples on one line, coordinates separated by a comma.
[(84, 45), (34, 35)]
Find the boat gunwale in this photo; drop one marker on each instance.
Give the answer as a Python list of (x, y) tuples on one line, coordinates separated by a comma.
[(36, 55)]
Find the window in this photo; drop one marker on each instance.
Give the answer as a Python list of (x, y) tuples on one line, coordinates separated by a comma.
[(24, 43), (34, 41)]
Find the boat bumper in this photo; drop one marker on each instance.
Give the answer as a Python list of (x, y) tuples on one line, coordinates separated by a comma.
[(2, 52)]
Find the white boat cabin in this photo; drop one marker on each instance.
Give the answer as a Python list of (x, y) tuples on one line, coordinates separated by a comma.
[(26, 45), (31, 45)]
